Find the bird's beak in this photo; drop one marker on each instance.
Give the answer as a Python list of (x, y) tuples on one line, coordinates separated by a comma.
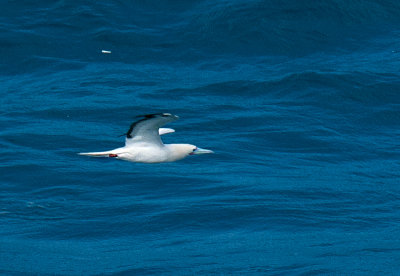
[(202, 151)]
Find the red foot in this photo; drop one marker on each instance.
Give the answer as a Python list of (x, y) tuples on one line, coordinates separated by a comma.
[(112, 155)]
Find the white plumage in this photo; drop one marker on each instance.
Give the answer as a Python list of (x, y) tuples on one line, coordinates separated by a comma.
[(143, 143)]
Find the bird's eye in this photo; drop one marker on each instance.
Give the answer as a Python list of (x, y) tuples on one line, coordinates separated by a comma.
[(194, 149)]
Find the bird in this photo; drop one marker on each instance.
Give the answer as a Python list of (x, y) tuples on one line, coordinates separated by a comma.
[(143, 143)]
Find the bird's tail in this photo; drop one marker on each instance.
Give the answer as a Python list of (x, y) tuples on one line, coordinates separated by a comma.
[(99, 154)]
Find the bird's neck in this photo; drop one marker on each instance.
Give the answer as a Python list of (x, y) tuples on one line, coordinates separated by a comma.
[(176, 151)]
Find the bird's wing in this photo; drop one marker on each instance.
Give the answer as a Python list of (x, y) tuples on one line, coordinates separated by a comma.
[(163, 130), (146, 129)]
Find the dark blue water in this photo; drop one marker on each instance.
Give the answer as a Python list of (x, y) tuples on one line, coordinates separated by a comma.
[(299, 99)]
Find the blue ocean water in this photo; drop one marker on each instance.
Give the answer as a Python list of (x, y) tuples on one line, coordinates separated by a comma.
[(299, 100)]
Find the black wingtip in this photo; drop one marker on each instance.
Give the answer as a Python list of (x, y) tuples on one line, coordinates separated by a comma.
[(145, 117), (154, 115)]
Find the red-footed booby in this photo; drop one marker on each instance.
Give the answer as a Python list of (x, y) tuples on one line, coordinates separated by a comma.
[(143, 142)]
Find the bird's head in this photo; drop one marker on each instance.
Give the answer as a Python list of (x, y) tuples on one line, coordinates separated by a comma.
[(196, 150), (180, 151)]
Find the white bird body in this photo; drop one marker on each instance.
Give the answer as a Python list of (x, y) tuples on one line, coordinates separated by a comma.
[(143, 143)]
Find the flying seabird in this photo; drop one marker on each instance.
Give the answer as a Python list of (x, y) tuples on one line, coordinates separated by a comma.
[(143, 142)]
